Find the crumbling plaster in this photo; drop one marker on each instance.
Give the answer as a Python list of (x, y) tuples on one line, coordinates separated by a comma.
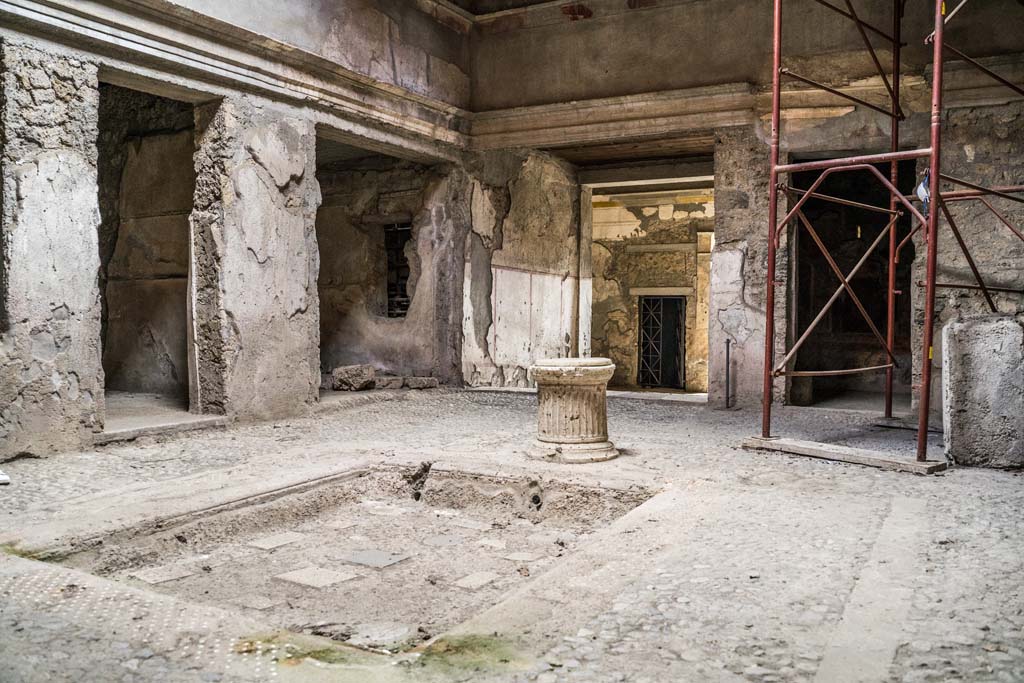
[(355, 328), (986, 146), (521, 266), (255, 296), (982, 143), (51, 379), (739, 267), (616, 48), (983, 402), (146, 187)]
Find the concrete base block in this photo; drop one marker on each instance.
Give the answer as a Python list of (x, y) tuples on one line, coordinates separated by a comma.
[(983, 391)]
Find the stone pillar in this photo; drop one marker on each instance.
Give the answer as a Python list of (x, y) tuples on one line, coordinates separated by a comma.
[(51, 378), (254, 286), (983, 395), (573, 411), (739, 268)]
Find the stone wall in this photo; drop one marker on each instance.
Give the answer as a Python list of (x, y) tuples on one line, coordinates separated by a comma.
[(521, 267), (358, 204), (612, 48), (51, 379), (649, 246), (986, 146), (256, 310), (146, 188), (739, 267)]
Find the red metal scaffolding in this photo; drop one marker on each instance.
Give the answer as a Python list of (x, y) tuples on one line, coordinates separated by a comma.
[(927, 218)]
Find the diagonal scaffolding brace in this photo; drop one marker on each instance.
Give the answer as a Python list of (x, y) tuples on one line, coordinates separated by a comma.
[(926, 220)]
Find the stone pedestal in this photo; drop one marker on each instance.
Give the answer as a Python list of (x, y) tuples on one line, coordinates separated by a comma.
[(573, 419), (983, 391)]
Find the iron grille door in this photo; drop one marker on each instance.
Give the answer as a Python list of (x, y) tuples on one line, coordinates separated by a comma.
[(651, 323)]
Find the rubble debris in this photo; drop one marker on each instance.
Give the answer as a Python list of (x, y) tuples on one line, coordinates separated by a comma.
[(353, 378), (421, 383), (389, 382)]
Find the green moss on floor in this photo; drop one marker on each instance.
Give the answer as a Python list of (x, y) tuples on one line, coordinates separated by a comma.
[(471, 652), (13, 549), (291, 648), (455, 658)]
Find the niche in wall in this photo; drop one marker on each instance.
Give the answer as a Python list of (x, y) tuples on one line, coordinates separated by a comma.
[(146, 187)]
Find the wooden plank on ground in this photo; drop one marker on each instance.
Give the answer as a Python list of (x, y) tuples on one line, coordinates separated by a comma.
[(857, 456)]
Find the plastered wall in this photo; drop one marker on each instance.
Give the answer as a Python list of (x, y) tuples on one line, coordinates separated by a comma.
[(521, 267), (391, 41)]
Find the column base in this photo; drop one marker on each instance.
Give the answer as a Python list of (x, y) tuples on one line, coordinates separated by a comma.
[(573, 452)]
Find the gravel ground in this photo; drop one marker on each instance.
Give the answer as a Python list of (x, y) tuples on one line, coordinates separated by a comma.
[(751, 566)]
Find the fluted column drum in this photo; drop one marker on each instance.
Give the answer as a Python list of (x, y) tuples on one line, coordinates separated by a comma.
[(573, 410)]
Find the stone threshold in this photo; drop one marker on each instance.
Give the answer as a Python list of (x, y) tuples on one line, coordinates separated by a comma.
[(161, 427), (836, 453)]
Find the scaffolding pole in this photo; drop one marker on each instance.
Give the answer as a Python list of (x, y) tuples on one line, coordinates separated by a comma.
[(927, 220)]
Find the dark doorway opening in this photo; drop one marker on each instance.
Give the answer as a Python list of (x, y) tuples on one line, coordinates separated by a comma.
[(662, 342), (843, 339), (146, 185)]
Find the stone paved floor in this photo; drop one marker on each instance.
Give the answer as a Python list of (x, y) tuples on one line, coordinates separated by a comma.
[(750, 566)]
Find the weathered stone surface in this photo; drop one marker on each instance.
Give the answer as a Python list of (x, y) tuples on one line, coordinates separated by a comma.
[(156, 575), (377, 559), (381, 634), (983, 391), (738, 268), (146, 347), (146, 331), (276, 540), (353, 378), (389, 382), (50, 375), (986, 145), (421, 382), (257, 308), (572, 409), (315, 577), (476, 580)]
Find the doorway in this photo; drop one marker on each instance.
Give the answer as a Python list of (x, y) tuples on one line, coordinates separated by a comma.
[(843, 339), (662, 352), (650, 248), (146, 184)]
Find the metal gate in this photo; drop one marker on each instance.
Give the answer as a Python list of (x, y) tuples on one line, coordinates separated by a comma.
[(661, 342)]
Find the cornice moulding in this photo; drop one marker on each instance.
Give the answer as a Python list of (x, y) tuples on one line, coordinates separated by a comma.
[(161, 33)]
